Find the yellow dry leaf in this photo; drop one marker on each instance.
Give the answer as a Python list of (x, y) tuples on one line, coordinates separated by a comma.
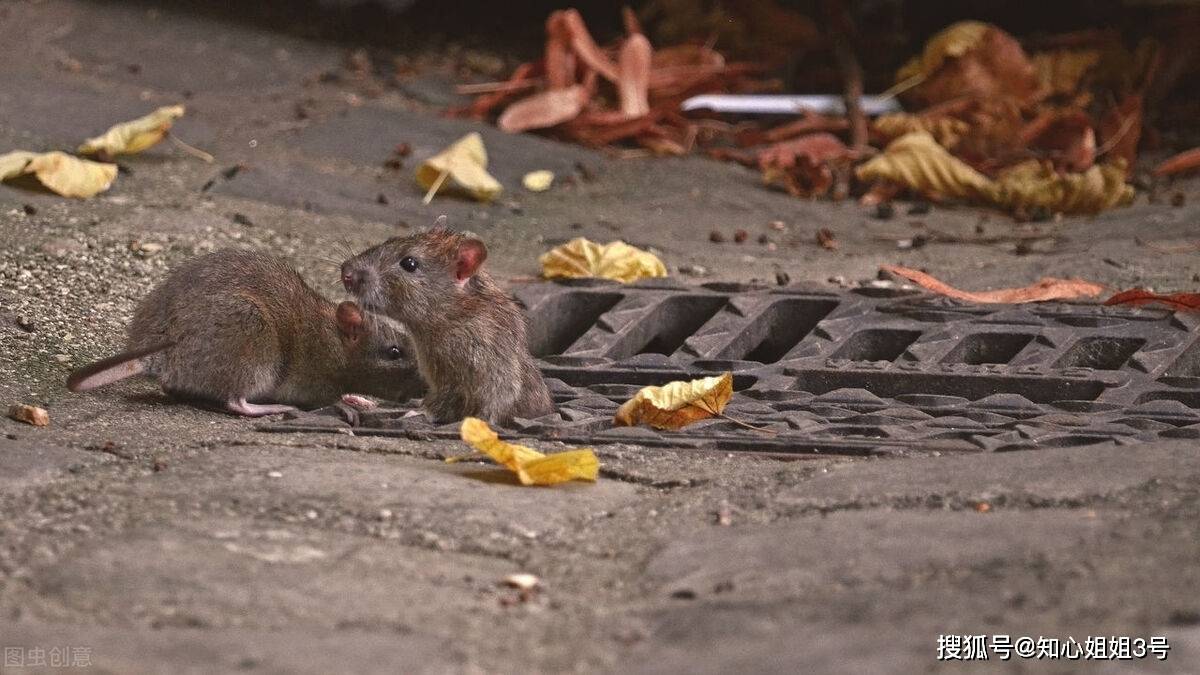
[(952, 42), (65, 174), (917, 162), (538, 181), (135, 136), (1061, 71), (1036, 184), (677, 404), (531, 466), (463, 167), (947, 131), (615, 260)]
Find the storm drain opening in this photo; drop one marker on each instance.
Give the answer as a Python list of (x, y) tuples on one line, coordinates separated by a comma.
[(566, 320), (878, 344), (665, 329), (839, 373), (1101, 353), (983, 348), (778, 329)]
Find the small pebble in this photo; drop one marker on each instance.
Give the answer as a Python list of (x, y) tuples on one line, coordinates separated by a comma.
[(778, 225), (243, 220), (782, 278), (716, 237), (764, 239), (29, 209), (740, 236), (919, 208), (523, 582), (29, 414), (693, 270), (885, 211), (274, 474), (1178, 199)]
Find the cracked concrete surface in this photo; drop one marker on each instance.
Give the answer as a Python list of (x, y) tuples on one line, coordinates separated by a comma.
[(172, 539)]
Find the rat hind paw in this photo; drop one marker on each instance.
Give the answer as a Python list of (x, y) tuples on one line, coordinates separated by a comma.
[(240, 406)]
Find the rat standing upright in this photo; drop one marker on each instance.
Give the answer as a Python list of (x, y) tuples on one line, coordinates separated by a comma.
[(468, 336)]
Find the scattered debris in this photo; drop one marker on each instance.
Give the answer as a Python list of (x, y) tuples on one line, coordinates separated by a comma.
[(522, 581), (826, 240), (531, 466), (29, 414), (615, 260), (740, 236), (538, 181)]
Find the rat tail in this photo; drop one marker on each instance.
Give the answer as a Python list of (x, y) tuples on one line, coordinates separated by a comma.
[(112, 369)]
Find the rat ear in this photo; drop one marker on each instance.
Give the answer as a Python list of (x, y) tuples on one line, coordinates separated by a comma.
[(350, 320), (471, 254)]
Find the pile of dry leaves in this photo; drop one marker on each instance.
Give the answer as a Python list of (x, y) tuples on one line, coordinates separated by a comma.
[(1055, 131)]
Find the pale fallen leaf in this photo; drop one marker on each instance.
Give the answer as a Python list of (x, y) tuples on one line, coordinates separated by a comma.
[(1035, 184), (946, 130), (65, 174), (917, 162), (531, 466), (135, 136), (544, 109), (615, 260), (463, 167), (677, 404), (538, 181), (1047, 288), (633, 82)]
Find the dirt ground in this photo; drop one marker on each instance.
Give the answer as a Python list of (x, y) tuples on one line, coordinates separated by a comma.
[(163, 538)]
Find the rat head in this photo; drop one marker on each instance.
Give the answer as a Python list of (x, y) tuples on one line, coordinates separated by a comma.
[(413, 278), (379, 361)]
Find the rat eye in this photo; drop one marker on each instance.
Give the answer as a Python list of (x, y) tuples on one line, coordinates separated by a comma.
[(394, 352), (408, 263)]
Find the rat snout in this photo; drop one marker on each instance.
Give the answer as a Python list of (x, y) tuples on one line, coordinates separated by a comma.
[(353, 277)]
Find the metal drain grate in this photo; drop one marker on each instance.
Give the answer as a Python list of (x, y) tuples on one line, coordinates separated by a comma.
[(874, 371)]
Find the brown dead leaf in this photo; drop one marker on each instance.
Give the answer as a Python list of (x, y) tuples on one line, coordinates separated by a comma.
[(1121, 130), (1061, 72), (585, 47), (29, 414), (1184, 161), (677, 404), (544, 109), (1063, 136), (1189, 302), (633, 81), (971, 58), (803, 166), (1047, 288)]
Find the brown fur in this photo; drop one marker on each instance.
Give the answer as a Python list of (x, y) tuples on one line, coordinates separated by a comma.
[(245, 325), (469, 338)]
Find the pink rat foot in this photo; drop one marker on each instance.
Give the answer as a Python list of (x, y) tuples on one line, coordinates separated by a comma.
[(241, 407)]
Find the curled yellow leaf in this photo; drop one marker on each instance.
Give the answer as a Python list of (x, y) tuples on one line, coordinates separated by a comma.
[(132, 137), (64, 174), (531, 466), (461, 167), (1035, 184), (917, 162), (615, 260), (947, 131), (952, 42), (677, 404)]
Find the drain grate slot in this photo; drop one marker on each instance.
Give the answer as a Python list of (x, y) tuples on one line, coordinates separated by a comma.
[(778, 329), (880, 344), (1101, 353), (980, 348), (565, 319), (665, 329)]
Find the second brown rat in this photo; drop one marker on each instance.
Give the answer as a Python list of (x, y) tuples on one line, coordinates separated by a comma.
[(468, 336), (243, 330)]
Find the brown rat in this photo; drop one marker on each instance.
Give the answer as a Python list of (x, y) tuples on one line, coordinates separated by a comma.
[(468, 336), (237, 327)]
